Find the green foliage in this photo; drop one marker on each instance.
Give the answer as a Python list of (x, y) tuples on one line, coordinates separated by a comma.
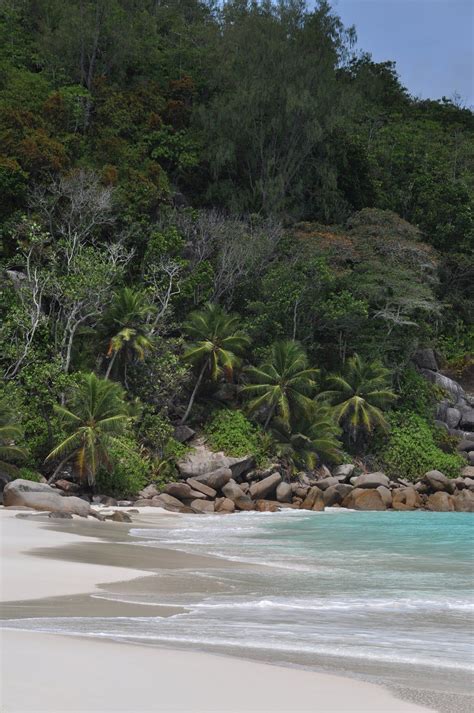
[(129, 470), (417, 394), (10, 432), (231, 432), (410, 450), (29, 474)]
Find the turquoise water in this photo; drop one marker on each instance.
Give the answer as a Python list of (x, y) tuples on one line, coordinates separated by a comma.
[(385, 593)]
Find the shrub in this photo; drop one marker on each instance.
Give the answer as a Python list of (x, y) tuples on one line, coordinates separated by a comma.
[(417, 394), (231, 432), (130, 472), (410, 449), (29, 474)]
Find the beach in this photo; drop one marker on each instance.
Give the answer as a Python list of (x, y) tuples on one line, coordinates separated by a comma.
[(63, 569)]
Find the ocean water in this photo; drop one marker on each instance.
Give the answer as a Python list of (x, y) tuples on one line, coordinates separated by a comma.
[(388, 595)]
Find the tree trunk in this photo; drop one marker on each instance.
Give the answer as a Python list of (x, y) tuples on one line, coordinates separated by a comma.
[(269, 417), (193, 395), (54, 476), (111, 363)]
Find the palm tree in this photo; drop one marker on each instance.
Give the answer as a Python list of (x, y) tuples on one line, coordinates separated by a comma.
[(283, 384), (127, 328), (311, 438), (359, 395), (9, 432), (216, 345), (96, 415)]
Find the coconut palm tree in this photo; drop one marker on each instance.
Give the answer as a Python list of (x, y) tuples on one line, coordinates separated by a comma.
[(126, 326), (216, 345), (95, 416), (10, 431), (359, 395), (283, 384), (309, 439)]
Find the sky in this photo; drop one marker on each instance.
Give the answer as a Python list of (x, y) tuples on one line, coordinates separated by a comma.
[(432, 41)]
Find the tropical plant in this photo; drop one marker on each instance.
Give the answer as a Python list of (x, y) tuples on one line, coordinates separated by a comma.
[(10, 431), (309, 439), (359, 395), (95, 418), (283, 384), (216, 345), (126, 324)]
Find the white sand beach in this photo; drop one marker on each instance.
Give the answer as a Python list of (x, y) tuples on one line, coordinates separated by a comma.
[(43, 672)]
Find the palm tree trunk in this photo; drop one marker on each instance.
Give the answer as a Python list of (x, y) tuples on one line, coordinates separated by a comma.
[(54, 476), (111, 363), (269, 417), (193, 395)]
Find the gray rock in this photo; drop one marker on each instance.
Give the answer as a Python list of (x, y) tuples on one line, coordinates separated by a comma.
[(41, 496), (168, 502), (118, 516), (202, 506), (468, 471), (178, 490), (151, 491), (60, 515), (143, 502), (467, 418), (467, 444), (245, 487), (440, 502), (217, 479), (425, 359), (453, 417), (327, 482), (470, 457), (438, 481), (183, 434), (284, 493), (469, 483), (245, 503), (200, 461), (346, 470), (261, 489), (266, 506), (232, 490), (442, 425), (335, 494), (67, 486), (371, 480), (201, 488)]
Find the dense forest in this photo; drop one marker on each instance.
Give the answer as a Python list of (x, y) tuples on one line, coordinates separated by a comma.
[(221, 215)]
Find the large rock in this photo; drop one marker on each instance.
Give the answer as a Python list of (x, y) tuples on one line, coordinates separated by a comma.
[(468, 471), (262, 488), (466, 444), (216, 479), (386, 495), (118, 516), (452, 417), (200, 461), (144, 502), (201, 488), (314, 499), (470, 457), (40, 496), (178, 490), (244, 503), (168, 502), (151, 491), (183, 433), (284, 492), (67, 486), (335, 494), (425, 359), (438, 481), (467, 418), (202, 506), (440, 502), (224, 505), (464, 501), (346, 471), (232, 490), (327, 482), (371, 480), (364, 499), (406, 499)]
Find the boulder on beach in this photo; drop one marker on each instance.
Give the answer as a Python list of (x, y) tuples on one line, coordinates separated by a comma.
[(266, 506), (168, 502), (151, 491), (314, 500), (345, 471), (201, 488), (40, 496), (200, 460), (224, 505), (232, 490), (244, 503), (328, 482), (437, 481), (364, 499), (371, 480), (67, 486), (440, 502), (216, 479), (284, 492), (464, 501), (178, 490), (202, 506), (406, 499), (260, 489), (335, 494)]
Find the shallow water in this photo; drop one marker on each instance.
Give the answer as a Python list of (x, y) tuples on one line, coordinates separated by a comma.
[(386, 594)]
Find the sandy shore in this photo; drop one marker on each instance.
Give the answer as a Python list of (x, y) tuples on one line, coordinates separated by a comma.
[(41, 672)]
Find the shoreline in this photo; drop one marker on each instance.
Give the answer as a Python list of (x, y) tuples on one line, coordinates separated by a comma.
[(309, 690)]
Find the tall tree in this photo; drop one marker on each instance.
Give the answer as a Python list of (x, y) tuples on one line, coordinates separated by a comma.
[(10, 432), (216, 344)]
